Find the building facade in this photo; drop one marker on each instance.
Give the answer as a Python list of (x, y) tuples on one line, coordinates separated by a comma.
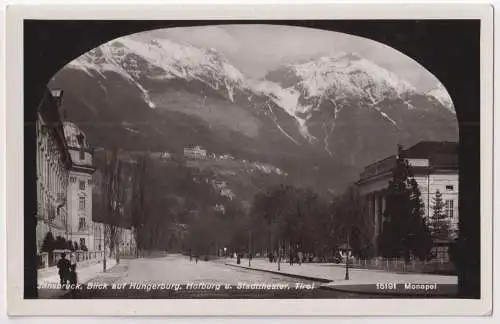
[(52, 169), (435, 168), (80, 187), (195, 152), (65, 183)]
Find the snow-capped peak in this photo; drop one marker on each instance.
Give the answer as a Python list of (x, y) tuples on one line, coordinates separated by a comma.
[(349, 74), (174, 60), (441, 94)]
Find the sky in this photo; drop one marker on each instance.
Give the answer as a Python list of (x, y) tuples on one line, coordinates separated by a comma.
[(257, 49)]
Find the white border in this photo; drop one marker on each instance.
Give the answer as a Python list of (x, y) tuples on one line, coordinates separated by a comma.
[(301, 307)]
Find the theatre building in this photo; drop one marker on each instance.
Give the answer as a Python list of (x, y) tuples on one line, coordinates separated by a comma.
[(434, 166)]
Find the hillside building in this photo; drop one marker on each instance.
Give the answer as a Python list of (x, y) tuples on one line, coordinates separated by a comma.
[(195, 152)]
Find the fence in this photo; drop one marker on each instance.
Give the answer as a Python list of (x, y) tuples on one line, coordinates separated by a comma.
[(399, 265), (49, 259)]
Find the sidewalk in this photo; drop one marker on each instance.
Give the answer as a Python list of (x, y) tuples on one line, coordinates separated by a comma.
[(360, 280), (85, 273)]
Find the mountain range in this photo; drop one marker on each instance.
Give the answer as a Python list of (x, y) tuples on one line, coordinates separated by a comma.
[(320, 120)]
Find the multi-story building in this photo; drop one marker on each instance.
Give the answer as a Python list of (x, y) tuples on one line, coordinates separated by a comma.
[(65, 182), (435, 168), (80, 187), (52, 167)]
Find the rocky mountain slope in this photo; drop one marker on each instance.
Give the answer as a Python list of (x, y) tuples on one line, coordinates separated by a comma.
[(320, 120)]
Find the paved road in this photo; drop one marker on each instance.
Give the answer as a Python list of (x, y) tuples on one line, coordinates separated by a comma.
[(181, 278), (174, 276)]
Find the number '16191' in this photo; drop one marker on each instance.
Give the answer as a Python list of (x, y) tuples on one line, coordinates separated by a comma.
[(386, 286)]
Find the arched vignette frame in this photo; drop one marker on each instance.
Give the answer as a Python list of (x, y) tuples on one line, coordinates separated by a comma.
[(428, 42), (450, 49)]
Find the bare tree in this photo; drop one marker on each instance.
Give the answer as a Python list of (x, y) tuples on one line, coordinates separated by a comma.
[(138, 204), (113, 193)]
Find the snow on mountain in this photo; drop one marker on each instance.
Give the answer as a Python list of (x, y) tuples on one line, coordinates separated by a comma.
[(286, 98), (166, 58), (331, 78), (312, 92), (349, 75), (441, 94)]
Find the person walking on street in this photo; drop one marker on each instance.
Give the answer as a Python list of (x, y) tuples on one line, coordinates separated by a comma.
[(299, 257), (63, 265), (72, 271)]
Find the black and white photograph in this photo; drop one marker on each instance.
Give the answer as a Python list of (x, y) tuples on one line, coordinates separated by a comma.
[(254, 160)]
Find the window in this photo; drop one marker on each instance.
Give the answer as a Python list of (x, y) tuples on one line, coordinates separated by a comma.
[(90, 182), (449, 187), (82, 224), (73, 179), (82, 241), (82, 185), (82, 154), (449, 208), (81, 204)]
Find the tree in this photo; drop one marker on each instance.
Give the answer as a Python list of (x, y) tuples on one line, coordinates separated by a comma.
[(294, 218), (113, 194), (60, 243), (405, 231), (48, 243), (439, 224), (69, 245), (350, 221), (139, 205)]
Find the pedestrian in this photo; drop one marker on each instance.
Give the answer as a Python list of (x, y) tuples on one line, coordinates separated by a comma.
[(196, 258), (299, 257), (72, 271), (63, 266)]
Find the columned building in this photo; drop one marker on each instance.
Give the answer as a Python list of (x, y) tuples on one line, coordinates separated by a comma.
[(52, 168), (80, 187), (435, 168)]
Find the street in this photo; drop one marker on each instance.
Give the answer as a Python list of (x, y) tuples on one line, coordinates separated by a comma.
[(175, 276), (181, 278)]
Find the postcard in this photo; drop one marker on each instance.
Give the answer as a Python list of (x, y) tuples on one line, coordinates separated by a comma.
[(237, 160)]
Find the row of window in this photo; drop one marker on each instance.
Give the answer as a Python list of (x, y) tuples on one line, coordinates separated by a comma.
[(81, 183)]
